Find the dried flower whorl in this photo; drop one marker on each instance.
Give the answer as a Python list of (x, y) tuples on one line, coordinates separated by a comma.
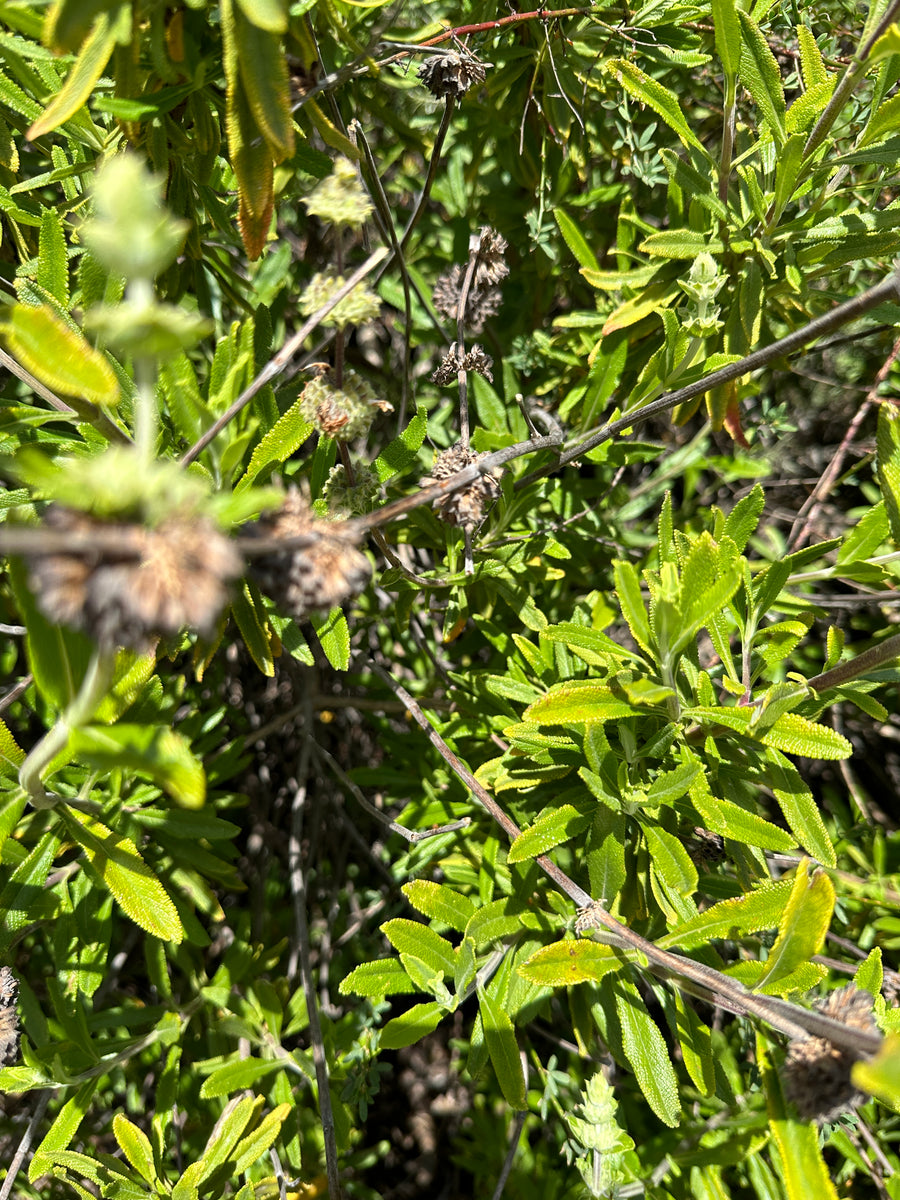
[(816, 1072), (452, 363), (328, 571), (451, 73), (160, 581), (467, 507)]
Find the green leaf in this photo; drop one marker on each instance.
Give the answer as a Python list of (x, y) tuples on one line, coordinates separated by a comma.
[(88, 67), (403, 451), (799, 808), (888, 445), (59, 355), (285, 438), (694, 185), (672, 785), (498, 919), (760, 74), (812, 64), (880, 1076), (413, 1025), (645, 1049), (385, 977), (571, 703), (263, 71), (680, 243), (135, 1145), (869, 975), (503, 1049), (728, 35), (671, 859), (552, 827), (118, 863), (250, 615), (628, 593), (803, 925), (152, 750), (440, 902), (412, 937), (53, 263), (731, 919), (695, 1040), (660, 99), (266, 14), (791, 733), (241, 1073), (575, 240), (562, 964), (65, 1125), (252, 1147), (334, 637)]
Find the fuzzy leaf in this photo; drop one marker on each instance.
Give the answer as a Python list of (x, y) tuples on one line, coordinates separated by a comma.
[(760, 74), (888, 444), (880, 1076), (385, 977), (571, 703), (550, 829), (135, 1145), (412, 937), (403, 450), (334, 637), (732, 919), (413, 1025), (671, 859), (575, 240), (728, 35), (153, 750), (645, 1049), (800, 809), (92, 58), (285, 438), (803, 925), (568, 962), (440, 903), (503, 1050), (60, 356), (660, 99)]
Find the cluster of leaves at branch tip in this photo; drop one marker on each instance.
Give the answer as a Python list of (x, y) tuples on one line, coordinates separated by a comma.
[(598, 1140), (703, 284)]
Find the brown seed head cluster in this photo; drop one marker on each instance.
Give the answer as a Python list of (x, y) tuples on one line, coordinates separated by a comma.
[(451, 73), (327, 571), (484, 298), (453, 362), (345, 413), (465, 508), (816, 1072), (152, 582)]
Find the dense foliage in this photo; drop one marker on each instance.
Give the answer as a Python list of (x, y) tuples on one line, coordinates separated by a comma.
[(451, 487)]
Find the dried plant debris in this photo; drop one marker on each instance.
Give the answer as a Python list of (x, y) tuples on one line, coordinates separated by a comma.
[(451, 73), (326, 571), (816, 1072), (137, 584), (9, 1020), (484, 297), (453, 362), (468, 506)]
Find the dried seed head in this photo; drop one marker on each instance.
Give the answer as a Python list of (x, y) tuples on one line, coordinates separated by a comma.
[(482, 301), (339, 198), (346, 412), (816, 1072), (9, 1021), (465, 508), (452, 363), (160, 581), (451, 73), (359, 306), (328, 571), (492, 266)]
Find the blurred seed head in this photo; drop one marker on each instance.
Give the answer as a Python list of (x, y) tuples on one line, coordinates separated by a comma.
[(467, 507), (453, 362), (162, 580), (328, 571), (482, 301), (357, 308), (345, 412), (339, 198), (816, 1072)]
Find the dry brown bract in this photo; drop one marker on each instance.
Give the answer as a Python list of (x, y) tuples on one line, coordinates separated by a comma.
[(466, 507), (153, 582), (328, 571), (816, 1073), (9, 1021)]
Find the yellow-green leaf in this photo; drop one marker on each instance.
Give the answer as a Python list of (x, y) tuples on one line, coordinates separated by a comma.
[(60, 356), (660, 99), (88, 67), (568, 962), (803, 925)]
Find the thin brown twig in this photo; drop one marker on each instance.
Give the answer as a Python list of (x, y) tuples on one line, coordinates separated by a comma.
[(813, 504)]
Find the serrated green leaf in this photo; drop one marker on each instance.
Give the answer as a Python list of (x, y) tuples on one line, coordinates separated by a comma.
[(575, 240), (156, 751), (233, 1076), (385, 977), (694, 185), (672, 785), (403, 451), (695, 1040), (267, 14), (550, 829), (60, 356), (671, 859), (803, 925), (65, 1125), (135, 1145), (728, 35), (250, 616), (812, 64), (334, 637), (499, 919), (572, 703), (562, 964), (503, 1049), (118, 863), (645, 1049), (440, 902), (263, 70), (869, 975), (285, 438), (791, 733), (680, 243), (888, 463), (251, 1148), (761, 77), (660, 99), (628, 593), (53, 263), (92, 58), (732, 919), (412, 937), (799, 808), (411, 1026)]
